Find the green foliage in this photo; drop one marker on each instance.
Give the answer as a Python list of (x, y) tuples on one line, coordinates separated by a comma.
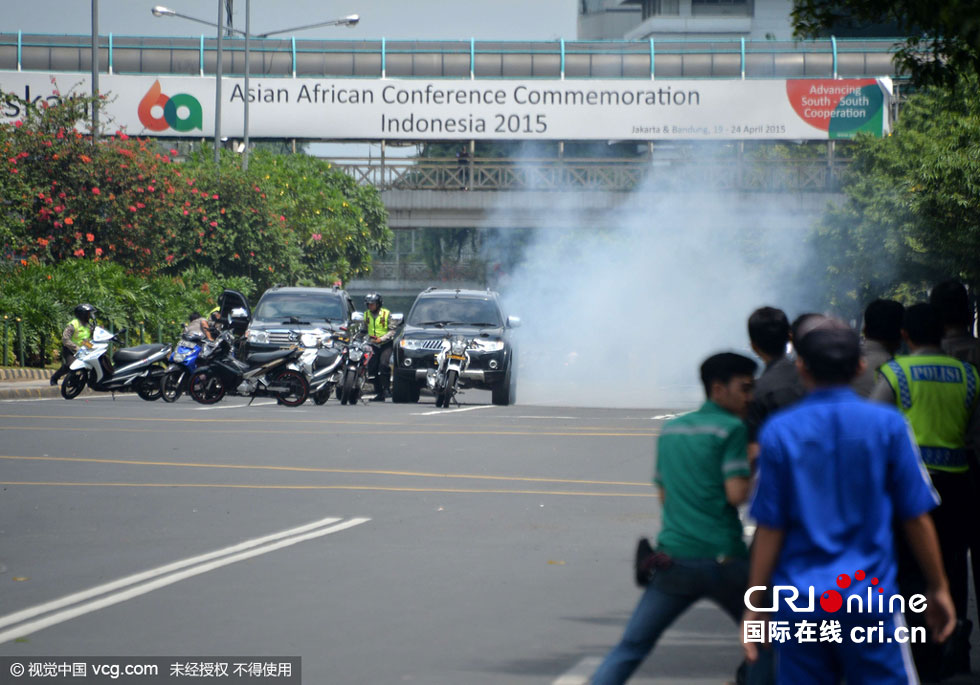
[(944, 35), (44, 296), (912, 214), (126, 201)]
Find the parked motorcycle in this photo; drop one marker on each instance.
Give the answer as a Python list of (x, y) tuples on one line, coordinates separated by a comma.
[(451, 361), (356, 357), (183, 363), (132, 369), (263, 374), (321, 362)]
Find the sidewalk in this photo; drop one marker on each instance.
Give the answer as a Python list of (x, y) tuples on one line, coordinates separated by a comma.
[(18, 383)]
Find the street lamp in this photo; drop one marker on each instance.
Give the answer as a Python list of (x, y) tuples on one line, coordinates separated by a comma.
[(349, 21)]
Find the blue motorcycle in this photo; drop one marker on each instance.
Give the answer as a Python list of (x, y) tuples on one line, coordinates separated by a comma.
[(183, 363)]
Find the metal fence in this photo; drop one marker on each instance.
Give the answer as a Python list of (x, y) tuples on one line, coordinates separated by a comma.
[(492, 174)]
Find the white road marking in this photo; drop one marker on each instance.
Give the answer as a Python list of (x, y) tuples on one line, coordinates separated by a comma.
[(236, 406), (581, 673), (452, 411), (545, 417), (225, 556)]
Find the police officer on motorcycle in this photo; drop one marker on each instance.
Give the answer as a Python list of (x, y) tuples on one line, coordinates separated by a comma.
[(76, 332), (376, 325)]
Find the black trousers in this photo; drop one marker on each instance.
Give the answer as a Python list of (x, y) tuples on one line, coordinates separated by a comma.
[(67, 357), (379, 366)]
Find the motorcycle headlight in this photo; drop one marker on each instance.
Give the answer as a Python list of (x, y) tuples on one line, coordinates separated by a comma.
[(489, 345), (179, 356), (257, 336), (409, 344), (459, 347), (356, 354)]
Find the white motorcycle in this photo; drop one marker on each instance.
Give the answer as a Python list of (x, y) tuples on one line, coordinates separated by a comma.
[(320, 363), (132, 369), (451, 362)]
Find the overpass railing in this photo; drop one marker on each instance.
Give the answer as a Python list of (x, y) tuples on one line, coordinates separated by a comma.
[(565, 174)]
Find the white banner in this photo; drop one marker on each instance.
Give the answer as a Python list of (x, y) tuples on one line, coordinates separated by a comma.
[(453, 109)]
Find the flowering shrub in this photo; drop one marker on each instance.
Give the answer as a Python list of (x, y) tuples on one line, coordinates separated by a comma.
[(125, 200)]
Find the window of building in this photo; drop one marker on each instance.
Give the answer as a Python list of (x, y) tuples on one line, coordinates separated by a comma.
[(659, 8), (722, 7)]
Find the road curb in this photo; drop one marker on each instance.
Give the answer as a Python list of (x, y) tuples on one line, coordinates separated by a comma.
[(16, 373), (15, 393)]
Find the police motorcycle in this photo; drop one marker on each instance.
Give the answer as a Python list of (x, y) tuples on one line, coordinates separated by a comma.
[(183, 363), (263, 374), (320, 362), (357, 353), (131, 369), (451, 362)]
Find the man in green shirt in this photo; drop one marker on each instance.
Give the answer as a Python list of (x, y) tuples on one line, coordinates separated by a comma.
[(703, 475)]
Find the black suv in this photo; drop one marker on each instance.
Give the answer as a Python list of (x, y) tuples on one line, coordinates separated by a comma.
[(475, 314), (282, 314)]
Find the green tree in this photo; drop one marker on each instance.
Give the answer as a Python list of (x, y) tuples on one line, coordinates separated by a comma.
[(912, 213), (943, 35)]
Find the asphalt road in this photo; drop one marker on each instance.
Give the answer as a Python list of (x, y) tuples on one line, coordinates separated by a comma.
[(473, 545)]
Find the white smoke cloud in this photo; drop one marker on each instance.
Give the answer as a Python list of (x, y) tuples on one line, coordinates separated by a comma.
[(622, 315)]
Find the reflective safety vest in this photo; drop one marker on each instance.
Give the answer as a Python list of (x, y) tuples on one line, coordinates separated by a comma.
[(377, 326), (81, 331), (937, 395)]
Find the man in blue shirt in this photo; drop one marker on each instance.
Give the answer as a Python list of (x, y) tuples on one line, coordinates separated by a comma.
[(834, 472)]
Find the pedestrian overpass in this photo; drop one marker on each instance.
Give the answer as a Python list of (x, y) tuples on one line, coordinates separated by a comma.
[(426, 192)]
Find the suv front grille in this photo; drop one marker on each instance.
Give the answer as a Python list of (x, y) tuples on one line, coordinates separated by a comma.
[(280, 338), (431, 344)]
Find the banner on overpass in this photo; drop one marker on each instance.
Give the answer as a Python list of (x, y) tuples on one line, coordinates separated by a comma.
[(453, 109)]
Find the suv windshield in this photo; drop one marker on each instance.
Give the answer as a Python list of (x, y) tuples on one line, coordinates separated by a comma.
[(312, 307), (451, 310)]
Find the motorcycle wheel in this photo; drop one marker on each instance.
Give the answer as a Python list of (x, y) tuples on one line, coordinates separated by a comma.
[(451, 379), (321, 396), (299, 388), (73, 384), (206, 387), (149, 391), (172, 385), (347, 393)]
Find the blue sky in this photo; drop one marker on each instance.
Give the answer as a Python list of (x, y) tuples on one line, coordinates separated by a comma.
[(396, 19)]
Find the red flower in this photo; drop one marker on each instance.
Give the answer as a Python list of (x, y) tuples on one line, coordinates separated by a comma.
[(69, 221), (169, 258), (85, 158), (173, 152), (95, 191), (42, 242), (89, 237), (79, 252), (98, 252), (214, 224), (214, 197)]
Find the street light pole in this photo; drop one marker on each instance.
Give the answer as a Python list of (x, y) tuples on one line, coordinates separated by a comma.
[(350, 21), (248, 18), (217, 89), (95, 71)]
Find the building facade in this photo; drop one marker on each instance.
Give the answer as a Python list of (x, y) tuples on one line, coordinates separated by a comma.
[(685, 19)]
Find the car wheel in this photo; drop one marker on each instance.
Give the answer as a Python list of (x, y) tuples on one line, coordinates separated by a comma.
[(505, 392), (403, 391)]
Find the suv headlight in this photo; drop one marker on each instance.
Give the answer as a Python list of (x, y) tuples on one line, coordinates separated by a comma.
[(489, 345), (257, 336), (409, 344)]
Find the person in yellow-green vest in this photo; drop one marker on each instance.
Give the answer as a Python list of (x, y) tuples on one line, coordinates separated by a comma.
[(76, 332), (938, 396), (380, 333)]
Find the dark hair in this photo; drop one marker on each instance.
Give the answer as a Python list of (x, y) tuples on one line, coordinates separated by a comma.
[(720, 368), (797, 322), (194, 316), (830, 350), (883, 322), (953, 302), (924, 324), (769, 330)]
